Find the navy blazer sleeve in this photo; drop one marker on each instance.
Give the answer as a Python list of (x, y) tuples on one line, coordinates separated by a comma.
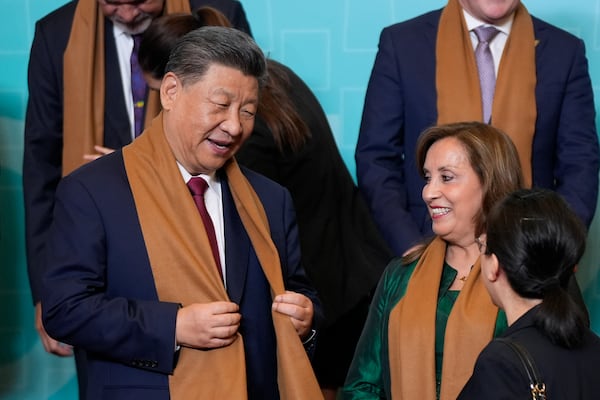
[(569, 92), (42, 156)]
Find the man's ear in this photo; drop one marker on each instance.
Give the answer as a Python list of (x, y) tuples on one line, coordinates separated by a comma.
[(169, 90)]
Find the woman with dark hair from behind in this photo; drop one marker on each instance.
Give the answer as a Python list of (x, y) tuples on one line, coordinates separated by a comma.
[(532, 244), (292, 143)]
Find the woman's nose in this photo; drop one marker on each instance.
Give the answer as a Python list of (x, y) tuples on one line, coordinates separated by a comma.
[(430, 191)]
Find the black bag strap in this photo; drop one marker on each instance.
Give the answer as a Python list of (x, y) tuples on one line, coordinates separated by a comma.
[(538, 388)]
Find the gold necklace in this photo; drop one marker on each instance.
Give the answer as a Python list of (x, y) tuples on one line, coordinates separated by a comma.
[(463, 279)]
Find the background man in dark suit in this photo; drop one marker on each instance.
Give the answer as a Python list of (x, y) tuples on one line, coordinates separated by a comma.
[(131, 278), (43, 145), (405, 93)]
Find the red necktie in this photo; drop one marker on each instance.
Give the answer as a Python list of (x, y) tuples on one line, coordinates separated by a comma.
[(198, 187)]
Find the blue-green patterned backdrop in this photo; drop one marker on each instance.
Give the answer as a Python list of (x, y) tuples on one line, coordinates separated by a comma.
[(331, 44)]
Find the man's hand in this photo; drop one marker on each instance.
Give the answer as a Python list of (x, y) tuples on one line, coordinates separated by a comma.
[(52, 346), (100, 151), (298, 307), (207, 326)]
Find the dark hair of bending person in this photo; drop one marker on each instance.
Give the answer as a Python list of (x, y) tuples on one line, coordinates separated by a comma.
[(538, 241)]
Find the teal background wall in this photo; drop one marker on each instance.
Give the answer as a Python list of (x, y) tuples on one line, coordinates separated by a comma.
[(330, 44)]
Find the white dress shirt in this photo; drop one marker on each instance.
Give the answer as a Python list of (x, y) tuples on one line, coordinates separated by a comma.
[(124, 44)]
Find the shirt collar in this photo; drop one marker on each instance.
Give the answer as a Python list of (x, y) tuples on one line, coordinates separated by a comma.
[(210, 179), (118, 30), (473, 23)]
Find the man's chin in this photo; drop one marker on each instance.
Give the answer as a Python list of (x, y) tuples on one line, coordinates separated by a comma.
[(135, 28)]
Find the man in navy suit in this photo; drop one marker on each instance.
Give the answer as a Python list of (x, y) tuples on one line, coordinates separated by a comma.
[(43, 144), (403, 98), (131, 278)]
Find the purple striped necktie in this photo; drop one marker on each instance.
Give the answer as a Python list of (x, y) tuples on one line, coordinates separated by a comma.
[(485, 66), (139, 88)]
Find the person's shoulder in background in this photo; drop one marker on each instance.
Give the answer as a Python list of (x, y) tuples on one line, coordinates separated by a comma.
[(232, 9)]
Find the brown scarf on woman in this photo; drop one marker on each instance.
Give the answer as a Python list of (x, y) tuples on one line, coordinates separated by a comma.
[(185, 272), (457, 80), (83, 70), (411, 332)]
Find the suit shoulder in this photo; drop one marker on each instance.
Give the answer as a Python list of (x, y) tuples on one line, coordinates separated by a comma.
[(269, 191), (56, 25), (233, 10), (225, 6), (100, 171), (428, 20), (559, 36), (259, 180), (272, 195), (60, 16)]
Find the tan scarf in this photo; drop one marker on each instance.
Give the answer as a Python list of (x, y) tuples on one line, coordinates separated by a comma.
[(83, 70), (411, 331), (185, 272), (457, 80)]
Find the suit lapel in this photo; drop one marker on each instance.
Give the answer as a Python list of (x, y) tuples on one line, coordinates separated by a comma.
[(539, 31), (236, 258)]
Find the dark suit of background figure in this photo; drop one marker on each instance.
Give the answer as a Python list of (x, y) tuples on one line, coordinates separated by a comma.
[(123, 359), (566, 372), (343, 251), (401, 102), (42, 158)]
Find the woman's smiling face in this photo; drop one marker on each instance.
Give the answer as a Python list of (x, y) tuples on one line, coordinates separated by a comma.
[(453, 192)]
